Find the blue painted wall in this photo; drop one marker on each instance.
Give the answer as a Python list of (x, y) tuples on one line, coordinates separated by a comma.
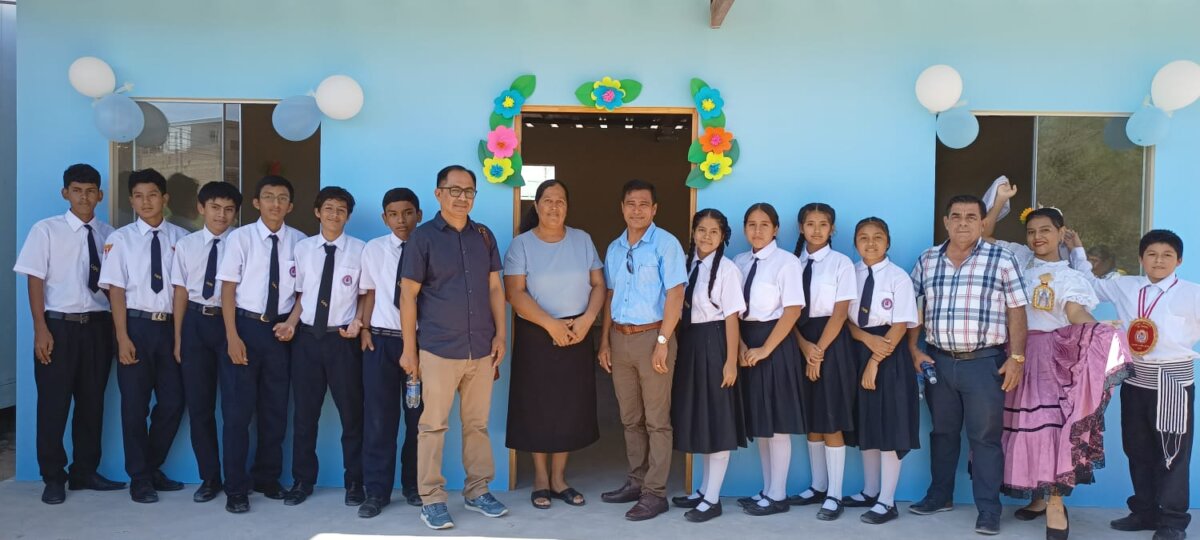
[(819, 93)]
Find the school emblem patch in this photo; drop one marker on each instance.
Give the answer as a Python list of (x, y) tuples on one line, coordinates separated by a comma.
[(292, 271), (886, 304), (347, 280)]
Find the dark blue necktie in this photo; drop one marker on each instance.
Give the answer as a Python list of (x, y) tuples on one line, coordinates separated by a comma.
[(688, 292), (321, 319), (807, 293), (864, 309), (749, 282), (93, 262), (156, 277), (210, 271), (399, 269), (272, 311)]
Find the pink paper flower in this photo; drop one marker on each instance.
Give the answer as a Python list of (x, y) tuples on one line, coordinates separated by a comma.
[(502, 141)]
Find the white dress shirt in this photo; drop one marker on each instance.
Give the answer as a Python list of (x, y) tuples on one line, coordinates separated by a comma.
[(726, 298), (379, 260), (56, 251), (127, 264), (191, 262), (777, 282), (246, 261), (1068, 284), (892, 300), (832, 280), (1177, 314), (347, 264)]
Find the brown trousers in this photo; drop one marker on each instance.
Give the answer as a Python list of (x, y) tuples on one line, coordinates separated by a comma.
[(440, 379), (644, 397)]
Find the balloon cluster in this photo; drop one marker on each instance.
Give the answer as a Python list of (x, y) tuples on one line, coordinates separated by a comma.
[(117, 117), (1174, 87), (296, 118), (939, 88)]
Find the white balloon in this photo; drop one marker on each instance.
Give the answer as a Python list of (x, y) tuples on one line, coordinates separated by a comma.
[(92, 77), (1176, 85), (939, 87), (339, 97)]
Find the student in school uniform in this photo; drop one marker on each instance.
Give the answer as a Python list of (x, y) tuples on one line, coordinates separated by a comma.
[(832, 373), (137, 273), (199, 330), (72, 335), (771, 369), (384, 382), (258, 277), (327, 354), (888, 416), (706, 408), (1160, 314)]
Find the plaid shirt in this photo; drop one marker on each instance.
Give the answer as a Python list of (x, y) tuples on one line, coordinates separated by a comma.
[(966, 307)]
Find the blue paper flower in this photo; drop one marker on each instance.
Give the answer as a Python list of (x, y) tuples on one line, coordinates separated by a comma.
[(608, 94), (709, 103), (509, 103)]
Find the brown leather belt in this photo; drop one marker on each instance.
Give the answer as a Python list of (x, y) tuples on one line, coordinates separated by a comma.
[(630, 329)]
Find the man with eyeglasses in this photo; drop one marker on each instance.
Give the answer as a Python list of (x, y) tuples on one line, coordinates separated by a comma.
[(452, 303), (644, 270)]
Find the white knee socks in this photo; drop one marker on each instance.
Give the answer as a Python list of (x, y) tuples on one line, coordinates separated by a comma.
[(890, 477), (781, 458), (714, 475), (835, 459), (816, 461), (764, 458), (871, 463)]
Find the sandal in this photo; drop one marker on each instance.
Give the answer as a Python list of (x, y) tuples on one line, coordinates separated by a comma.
[(568, 496), (541, 494)]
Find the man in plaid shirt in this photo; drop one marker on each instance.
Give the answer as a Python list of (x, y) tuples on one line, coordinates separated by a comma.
[(974, 305)]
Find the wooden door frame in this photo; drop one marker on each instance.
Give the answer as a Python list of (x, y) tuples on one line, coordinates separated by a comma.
[(580, 109)]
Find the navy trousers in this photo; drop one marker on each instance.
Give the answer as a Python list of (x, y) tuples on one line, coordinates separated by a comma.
[(157, 373), (326, 360), (383, 404), (78, 370), (259, 387), (202, 350), (1160, 495), (967, 393)]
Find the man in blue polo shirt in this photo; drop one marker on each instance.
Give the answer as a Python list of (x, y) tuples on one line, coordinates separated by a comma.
[(452, 303), (644, 270)]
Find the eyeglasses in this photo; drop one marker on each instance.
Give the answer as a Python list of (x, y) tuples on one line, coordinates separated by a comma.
[(629, 260), (456, 192), (281, 199)]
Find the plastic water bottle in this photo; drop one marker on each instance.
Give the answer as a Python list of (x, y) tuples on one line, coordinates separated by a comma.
[(929, 373), (412, 392)]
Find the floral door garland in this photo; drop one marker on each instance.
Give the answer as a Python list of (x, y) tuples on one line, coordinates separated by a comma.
[(714, 151), (498, 153), (608, 93)]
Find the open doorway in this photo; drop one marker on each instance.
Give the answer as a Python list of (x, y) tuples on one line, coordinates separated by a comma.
[(594, 153)]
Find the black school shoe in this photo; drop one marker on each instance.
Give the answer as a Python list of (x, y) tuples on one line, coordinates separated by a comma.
[(1169, 533), (93, 481), (867, 502), (687, 501), (271, 490), (54, 493), (825, 514), (163, 483), (298, 494), (874, 518), (799, 500), (355, 494), (750, 501), (696, 515), (237, 504), (142, 491), (372, 506), (412, 497), (207, 491), (1132, 523), (772, 507)]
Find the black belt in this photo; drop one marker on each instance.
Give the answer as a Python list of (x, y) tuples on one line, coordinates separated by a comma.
[(208, 311), (81, 318), (258, 316), (387, 332), (328, 329), (156, 316), (986, 352)]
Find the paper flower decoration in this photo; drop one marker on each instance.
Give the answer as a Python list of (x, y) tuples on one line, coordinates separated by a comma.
[(1025, 214), (716, 166), (608, 93), (709, 103), (715, 139), (502, 141), (509, 103), (497, 170)]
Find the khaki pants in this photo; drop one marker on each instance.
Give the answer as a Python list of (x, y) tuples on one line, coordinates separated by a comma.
[(440, 379), (644, 397)]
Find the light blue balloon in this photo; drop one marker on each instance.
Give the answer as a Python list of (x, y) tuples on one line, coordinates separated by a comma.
[(296, 118), (118, 118), (957, 128), (1148, 126)]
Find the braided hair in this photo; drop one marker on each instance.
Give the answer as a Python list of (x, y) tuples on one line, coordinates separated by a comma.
[(723, 222), (804, 212)]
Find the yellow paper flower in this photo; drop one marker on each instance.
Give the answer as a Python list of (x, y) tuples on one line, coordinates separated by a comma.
[(1025, 214), (497, 170), (716, 166)]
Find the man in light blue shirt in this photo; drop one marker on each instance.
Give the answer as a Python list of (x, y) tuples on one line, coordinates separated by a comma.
[(645, 274)]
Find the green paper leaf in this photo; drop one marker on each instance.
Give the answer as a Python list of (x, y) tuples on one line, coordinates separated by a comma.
[(483, 151), (632, 89), (697, 85), (498, 120), (516, 180), (734, 152), (714, 122), (696, 153), (584, 94), (697, 180), (517, 163), (525, 84)]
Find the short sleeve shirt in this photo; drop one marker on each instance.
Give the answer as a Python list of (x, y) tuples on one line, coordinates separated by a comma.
[(557, 274), (640, 275)]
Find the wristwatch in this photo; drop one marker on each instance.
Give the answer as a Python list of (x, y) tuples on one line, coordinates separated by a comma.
[(662, 340), (1020, 358)]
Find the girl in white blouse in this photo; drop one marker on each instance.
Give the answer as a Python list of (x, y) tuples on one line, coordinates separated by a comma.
[(772, 369)]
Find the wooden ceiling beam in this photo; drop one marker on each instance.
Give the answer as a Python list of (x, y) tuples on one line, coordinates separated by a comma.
[(717, 10)]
